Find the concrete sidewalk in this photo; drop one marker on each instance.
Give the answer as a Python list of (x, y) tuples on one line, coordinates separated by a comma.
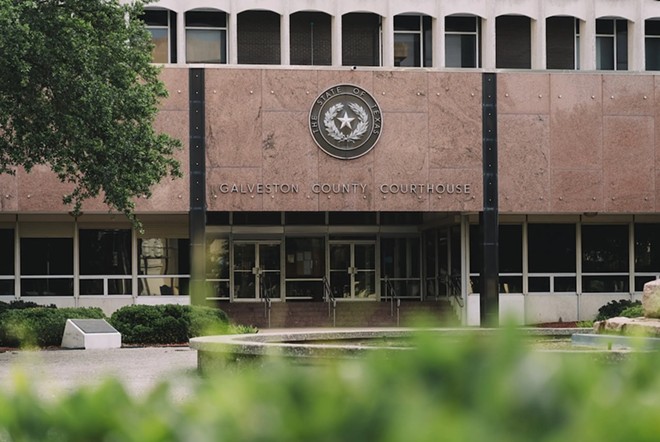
[(53, 372)]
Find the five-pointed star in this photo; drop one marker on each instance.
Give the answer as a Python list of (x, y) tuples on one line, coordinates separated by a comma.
[(346, 121)]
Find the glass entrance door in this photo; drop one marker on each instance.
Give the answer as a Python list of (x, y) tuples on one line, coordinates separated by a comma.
[(353, 270), (256, 273)]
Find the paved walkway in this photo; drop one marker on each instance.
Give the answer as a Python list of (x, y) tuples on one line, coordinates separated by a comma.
[(53, 372)]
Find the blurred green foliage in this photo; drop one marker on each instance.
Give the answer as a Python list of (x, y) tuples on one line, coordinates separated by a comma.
[(470, 389)]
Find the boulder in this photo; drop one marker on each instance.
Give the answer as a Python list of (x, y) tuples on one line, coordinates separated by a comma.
[(628, 326), (651, 299)]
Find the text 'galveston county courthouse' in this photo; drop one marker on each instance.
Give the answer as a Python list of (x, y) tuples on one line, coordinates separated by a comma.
[(433, 147)]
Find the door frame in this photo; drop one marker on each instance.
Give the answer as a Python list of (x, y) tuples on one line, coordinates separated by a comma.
[(352, 243), (257, 276)]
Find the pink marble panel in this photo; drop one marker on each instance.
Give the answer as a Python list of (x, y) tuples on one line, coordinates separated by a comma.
[(96, 205), (246, 197), (328, 78), (455, 120), (576, 121), (523, 93), (346, 186), (41, 191), (402, 158), (524, 166), (8, 193), (627, 94), (576, 191), (289, 157), (171, 195), (628, 154), (176, 83), (291, 90), (358, 171), (175, 124), (471, 196), (402, 201), (233, 118), (657, 122), (657, 189), (401, 91)]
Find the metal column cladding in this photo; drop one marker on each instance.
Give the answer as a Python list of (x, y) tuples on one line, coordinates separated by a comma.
[(488, 218), (197, 216)]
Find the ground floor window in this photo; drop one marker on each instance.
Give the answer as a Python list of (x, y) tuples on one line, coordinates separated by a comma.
[(46, 266), (580, 257), (163, 266), (401, 266), (7, 262), (305, 268), (647, 254), (551, 258), (509, 259), (105, 261), (217, 267), (605, 258)]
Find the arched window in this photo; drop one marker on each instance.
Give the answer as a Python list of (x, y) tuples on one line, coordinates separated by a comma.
[(612, 44), (206, 37), (462, 41), (161, 23)]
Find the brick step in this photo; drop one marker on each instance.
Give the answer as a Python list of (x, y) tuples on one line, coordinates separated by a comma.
[(347, 314)]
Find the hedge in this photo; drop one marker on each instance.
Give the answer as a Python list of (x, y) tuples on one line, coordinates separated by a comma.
[(28, 325), (39, 326), (167, 324)]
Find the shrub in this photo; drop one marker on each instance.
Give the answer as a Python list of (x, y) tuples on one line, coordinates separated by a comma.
[(20, 304), (634, 311), (40, 326), (167, 324), (614, 308)]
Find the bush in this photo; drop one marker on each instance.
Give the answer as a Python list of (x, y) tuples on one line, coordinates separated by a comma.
[(40, 326), (634, 311), (20, 304), (167, 324), (614, 308)]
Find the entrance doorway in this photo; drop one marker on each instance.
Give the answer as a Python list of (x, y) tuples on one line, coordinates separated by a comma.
[(256, 272), (353, 270)]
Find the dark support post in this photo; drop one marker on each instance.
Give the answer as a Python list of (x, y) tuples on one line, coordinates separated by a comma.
[(197, 216), (488, 219)]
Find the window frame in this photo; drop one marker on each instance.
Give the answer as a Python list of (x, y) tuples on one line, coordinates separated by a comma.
[(223, 32), (476, 33), (615, 39)]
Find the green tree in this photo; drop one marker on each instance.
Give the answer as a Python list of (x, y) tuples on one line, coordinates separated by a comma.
[(79, 94)]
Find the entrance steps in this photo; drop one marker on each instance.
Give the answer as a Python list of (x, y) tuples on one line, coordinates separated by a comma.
[(300, 314)]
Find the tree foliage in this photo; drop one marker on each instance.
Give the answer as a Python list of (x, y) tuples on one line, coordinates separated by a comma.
[(79, 94)]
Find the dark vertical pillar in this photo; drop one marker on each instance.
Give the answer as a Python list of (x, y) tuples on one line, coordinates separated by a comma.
[(197, 216), (488, 218)]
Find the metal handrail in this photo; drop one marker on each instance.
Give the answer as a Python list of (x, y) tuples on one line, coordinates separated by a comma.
[(329, 297), (454, 288), (266, 297), (390, 292)]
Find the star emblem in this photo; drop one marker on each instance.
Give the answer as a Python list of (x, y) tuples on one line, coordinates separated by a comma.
[(346, 121)]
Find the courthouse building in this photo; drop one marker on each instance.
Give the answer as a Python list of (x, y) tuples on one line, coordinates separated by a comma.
[(371, 149)]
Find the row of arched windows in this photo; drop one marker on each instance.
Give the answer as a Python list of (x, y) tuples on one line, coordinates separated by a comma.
[(407, 40)]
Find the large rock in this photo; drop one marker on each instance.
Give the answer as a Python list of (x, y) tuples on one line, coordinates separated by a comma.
[(628, 327), (651, 299)]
